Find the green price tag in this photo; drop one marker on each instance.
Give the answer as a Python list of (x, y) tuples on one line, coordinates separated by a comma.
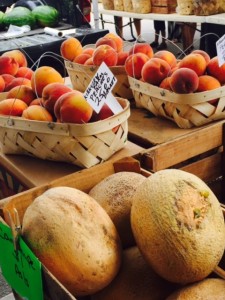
[(21, 268)]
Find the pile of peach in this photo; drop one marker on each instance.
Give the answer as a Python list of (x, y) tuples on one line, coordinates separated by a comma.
[(41, 95), (196, 72)]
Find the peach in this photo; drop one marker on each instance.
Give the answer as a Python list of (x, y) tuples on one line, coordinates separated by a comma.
[(196, 62), (104, 113), (72, 107), (122, 56), (206, 83), (42, 77), (88, 50), (203, 53), (17, 81), (106, 41), (18, 56), (89, 62), (7, 78), (24, 72), (2, 84), (184, 80), (8, 65), (106, 54), (37, 101), (12, 107), (155, 70), (165, 84), (167, 56), (70, 48), (22, 92), (215, 70), (144, 48), (81, 58), (117, 39), (51, 94), (134, 64), (37, 113)]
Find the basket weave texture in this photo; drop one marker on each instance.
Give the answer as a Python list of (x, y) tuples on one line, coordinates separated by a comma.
[(186, 110), (81, 76), (84, 145)]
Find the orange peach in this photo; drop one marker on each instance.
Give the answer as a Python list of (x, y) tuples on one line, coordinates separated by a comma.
[(8, 65), (70, 48), (167, 56), (184, 80), (37, 113), (104, 113), (37, 101), (106, 54), (2, 84), (72, 107), (144, 48), (155, 70), (122, 56), (117, 39), (106, 41), (12, 107), (134, 64), (88, 50), (81, 58), (18, 56), (17, 81), (42, 77), (22, 92), (89, 62), (215, 70), (206, 83), (203, 53), (7, 78), (24, 72), (51, 94), (196, 62), (165, 84)]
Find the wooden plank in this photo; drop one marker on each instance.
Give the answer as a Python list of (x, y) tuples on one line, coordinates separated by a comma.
[(182, 148)]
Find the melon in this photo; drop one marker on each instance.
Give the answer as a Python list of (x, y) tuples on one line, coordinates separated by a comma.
[(178, 225), (136, 280), (207, 289), (114, 193), (74, 238)]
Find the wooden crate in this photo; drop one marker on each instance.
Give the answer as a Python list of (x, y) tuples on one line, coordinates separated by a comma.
[(163, 6)]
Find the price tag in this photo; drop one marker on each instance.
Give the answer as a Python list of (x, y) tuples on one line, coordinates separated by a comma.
[(21, 268), (220, 48), (99, 90)]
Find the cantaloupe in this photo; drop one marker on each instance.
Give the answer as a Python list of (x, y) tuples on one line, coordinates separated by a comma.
[(114, 193), (74, 238), (136, 280), (207, 289), (178, 225)]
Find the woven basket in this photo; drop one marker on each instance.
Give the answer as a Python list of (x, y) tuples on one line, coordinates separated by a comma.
[(84, 145), (186, 110), (185, 7), (81, 75)]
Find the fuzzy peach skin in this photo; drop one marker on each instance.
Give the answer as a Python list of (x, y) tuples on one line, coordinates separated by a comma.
[(24, 72), (88, 50), (7, 78), (17, 81), (37, 113), (117, 39), (215, 70), (22, 92), (51, 93), (167, 56), (165, 84), (196, 62), (106, 54), (18, 56), (135, 63), (144, 48), (2, 84), (207, 83), (155, 70), (106, 41), (122, 56), (184, 81), (203, 53), (12, 107), (42, 77), (81, 58), (70, 48), (8, 65), (89, 62), (37, 101), (72, 107)]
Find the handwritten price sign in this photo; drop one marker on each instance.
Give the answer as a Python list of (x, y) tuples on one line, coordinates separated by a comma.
[(99, 90), (21, 268), (220, 47)]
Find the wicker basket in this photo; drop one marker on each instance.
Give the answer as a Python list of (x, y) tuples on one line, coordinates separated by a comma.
[(185, 7), (84, 145), (186, 110), (81, 75)]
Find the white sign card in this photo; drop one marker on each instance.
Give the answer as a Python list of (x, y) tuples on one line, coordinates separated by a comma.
[(99, 90), (220, 48)]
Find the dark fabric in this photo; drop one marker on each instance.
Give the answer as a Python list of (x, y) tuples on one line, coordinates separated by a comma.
[(159, 25)]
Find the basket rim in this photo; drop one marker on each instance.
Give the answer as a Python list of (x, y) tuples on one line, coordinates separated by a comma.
[(168, 96), (75, 66), (67, 129)]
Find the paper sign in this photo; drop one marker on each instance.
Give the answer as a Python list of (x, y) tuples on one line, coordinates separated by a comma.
[(220, 48), (21, 268), (99, 90)]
